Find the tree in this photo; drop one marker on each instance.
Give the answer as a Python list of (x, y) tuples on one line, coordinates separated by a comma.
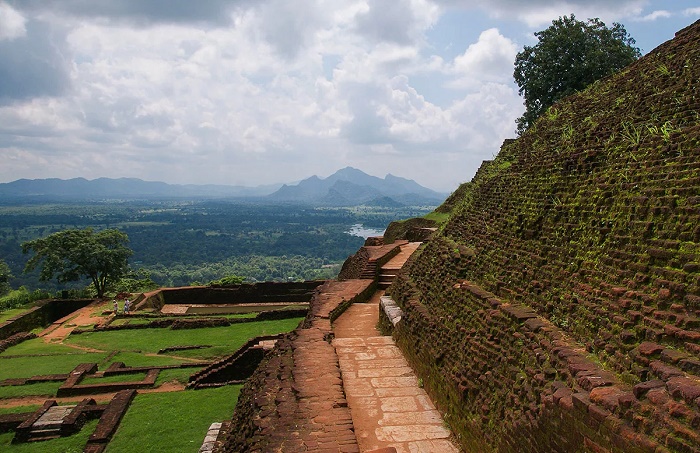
[(569, 56), (229, 280), (5, 277), (133, 282), (72, 254)]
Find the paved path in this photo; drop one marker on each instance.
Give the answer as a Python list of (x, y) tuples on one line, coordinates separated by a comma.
[(388, 406), (397, 262)]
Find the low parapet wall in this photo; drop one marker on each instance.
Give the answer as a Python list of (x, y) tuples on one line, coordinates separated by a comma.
[(293, 402), (44, 313), (367, 261), (261, 293)]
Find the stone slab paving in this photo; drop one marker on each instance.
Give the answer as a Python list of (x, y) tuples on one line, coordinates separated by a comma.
[(52, 417), (399, 260), (210, 439), (388, 406)]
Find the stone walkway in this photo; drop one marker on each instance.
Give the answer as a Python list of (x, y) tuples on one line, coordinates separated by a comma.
[(396, 263), (388, 406)]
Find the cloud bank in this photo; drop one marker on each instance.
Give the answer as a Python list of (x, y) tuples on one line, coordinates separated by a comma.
[(256, 92)]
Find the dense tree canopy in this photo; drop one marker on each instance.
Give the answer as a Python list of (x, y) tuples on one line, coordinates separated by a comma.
[(569, 56), (72, 254), (5, 276)]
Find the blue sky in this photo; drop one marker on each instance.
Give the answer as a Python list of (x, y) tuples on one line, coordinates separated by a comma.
[(251, 92)]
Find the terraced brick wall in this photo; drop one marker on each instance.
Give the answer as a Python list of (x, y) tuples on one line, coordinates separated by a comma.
[(44, 313), (559, 308), (245, 293)]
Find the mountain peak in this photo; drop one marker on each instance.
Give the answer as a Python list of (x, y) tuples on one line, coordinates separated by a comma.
[(350, 186)]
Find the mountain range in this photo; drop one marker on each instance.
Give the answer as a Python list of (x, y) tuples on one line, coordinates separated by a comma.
[(346, 187), (351, 187)]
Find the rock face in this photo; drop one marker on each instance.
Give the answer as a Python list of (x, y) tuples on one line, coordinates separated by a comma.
[(572, 323)]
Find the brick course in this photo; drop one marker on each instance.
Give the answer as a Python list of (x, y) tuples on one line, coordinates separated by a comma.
[(558, 308)]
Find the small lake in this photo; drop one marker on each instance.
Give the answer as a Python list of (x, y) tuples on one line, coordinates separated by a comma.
[(359, 229)]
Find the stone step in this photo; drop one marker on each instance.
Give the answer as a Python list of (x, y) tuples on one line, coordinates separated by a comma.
[(41, 438)]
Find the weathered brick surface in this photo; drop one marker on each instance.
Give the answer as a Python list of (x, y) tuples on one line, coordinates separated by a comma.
[(294, 402), (368, 260), (236, 367), (10, 422), (15, 339), (68, 389), (259, 292), (42, 314), (109, 421), (573, 323)]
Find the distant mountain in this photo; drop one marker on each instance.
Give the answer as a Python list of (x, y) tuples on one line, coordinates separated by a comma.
[(351, 187), (346, 187), (122, 188)]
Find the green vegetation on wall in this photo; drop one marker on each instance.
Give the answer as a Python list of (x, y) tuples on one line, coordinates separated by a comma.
[(578, 275)]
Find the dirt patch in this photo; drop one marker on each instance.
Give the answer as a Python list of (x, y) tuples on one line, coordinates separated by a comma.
[(89, 315), (39, 400)]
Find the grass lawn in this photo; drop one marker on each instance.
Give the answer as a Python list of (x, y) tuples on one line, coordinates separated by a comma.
[(224, 340), (114, 378), (25, 367), (134, 359), (173, 422), (37, 346), (7, 314), (181, 375), (47, 389), (70, 444), (162, 422), (18, 409)]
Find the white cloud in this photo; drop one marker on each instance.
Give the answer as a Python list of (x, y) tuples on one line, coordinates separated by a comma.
[(691, 12), (490, 59), (651, 17), (399, 21), (253, 103), (254, 92), (12, 23), (538, 13)]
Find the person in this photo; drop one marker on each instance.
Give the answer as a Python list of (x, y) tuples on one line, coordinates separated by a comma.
[(116, 306), (127, 306)]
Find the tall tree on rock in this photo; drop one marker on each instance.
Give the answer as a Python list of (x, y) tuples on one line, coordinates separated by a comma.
[(73, 254), (569, 56)]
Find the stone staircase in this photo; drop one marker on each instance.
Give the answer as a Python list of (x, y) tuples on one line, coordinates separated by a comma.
[(386, 277), (370, 270), (388, 272)]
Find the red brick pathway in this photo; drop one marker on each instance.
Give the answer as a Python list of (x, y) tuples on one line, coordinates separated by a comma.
[(389, 408)]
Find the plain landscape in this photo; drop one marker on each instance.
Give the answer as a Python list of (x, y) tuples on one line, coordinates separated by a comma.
[(179, 238)]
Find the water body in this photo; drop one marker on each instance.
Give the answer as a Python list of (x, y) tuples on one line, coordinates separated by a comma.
[(359, 229)]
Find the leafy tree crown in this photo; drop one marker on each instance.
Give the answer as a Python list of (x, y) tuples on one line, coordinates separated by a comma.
[(73, 254), (569, 56), (5, 277)]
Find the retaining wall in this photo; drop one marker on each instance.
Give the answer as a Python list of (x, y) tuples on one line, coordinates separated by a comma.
[(44, 313), (246, 293), (558, 309)]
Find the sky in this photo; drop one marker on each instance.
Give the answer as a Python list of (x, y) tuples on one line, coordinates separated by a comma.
[(256, 92)]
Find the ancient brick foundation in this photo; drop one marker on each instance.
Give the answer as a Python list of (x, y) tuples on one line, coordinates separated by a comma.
[(245, 293), (44, 313), (294, 402), (558, 309)]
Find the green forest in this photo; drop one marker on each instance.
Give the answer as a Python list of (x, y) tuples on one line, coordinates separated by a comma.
[(183, 242)]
